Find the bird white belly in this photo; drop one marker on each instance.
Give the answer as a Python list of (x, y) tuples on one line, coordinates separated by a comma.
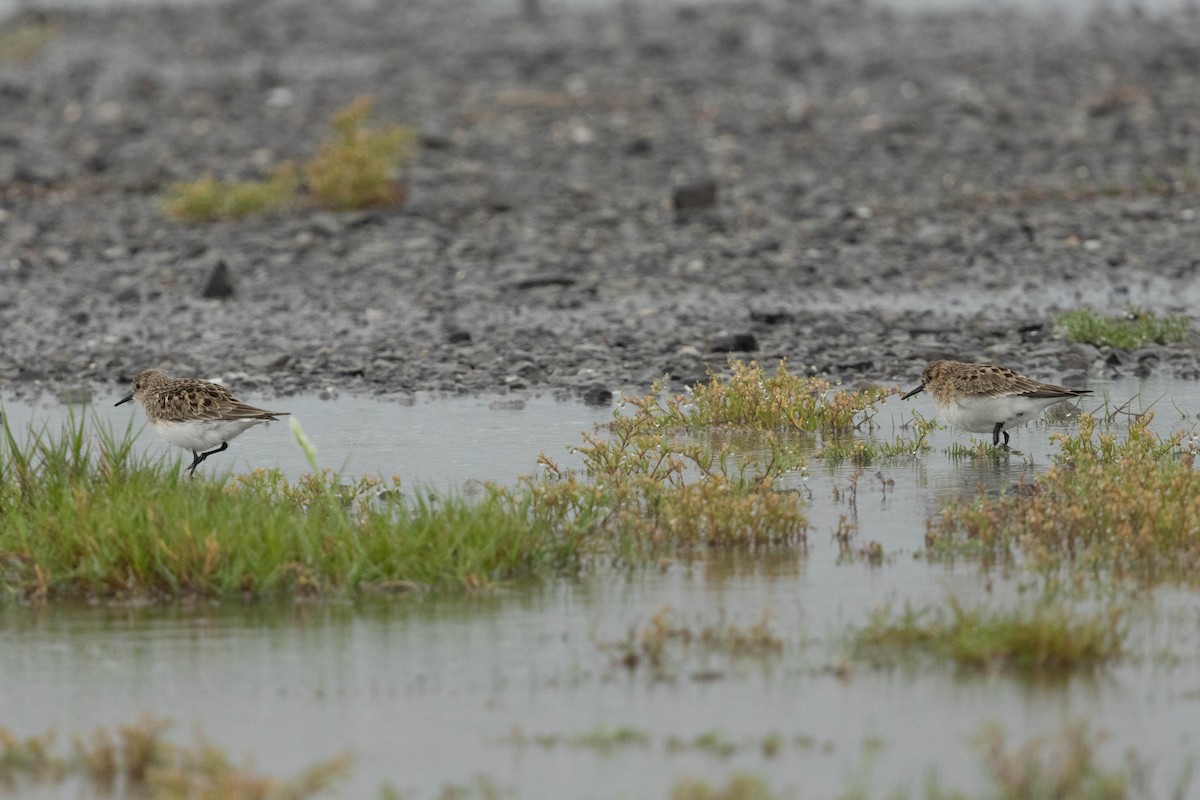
[(980, 414), (201, 435)]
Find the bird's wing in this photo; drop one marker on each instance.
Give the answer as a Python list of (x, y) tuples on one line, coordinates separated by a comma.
[(1004, 382), (201, 400)]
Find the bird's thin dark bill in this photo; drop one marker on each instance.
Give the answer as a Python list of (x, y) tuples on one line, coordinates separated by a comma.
[(917, 390), (124, 399)]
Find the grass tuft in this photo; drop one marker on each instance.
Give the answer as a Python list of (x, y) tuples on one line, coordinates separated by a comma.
[(209, 199), (357, 167), (752, 398), (1135, 328), (1048, 639)]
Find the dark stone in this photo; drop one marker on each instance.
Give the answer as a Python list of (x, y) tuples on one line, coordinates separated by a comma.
[(220, 283), (129, 294), (597, 395), (456, 335), (542, 281), (695, 196), (639, 147), (772, 317), (734, 343)]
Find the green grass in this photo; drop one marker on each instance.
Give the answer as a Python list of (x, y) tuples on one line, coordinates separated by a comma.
[(82, 516), (1135, 328), (1047, 639), (1113, 509)]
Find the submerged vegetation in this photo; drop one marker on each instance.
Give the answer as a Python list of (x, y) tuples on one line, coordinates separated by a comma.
[(356, 168), (1114, 508), (137, 760), (665, 640), (1135, 328), (1047, 639)]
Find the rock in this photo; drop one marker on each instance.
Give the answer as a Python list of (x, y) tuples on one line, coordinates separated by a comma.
[(597, 395), (695, 196), (734, 343), (773, 317), (456, 335), (220, 283), (266, 361)]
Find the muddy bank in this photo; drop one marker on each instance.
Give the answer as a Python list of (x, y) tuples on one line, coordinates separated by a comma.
[(862, 189)]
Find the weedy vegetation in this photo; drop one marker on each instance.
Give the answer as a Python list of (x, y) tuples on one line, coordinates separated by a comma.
[(1113, 509), (1135, 328), (210, 199), (1049, 639), (664, 642), (358, 167), (137, 760), (752, 398)]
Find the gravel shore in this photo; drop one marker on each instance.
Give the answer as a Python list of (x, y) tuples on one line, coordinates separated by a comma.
[(604, 194)]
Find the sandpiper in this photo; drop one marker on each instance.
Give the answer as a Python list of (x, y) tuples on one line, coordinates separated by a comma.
[(194, 414), (983, 398)]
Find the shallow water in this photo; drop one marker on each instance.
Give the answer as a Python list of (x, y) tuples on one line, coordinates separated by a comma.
[(424, 691)]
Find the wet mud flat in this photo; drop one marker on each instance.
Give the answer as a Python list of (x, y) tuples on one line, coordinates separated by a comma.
[(603, 194)]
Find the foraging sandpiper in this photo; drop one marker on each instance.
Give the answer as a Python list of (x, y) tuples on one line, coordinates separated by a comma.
[(194, 414), (983, 398)]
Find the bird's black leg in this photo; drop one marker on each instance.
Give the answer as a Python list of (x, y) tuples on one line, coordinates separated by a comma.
[(198, 457), (996, 431)]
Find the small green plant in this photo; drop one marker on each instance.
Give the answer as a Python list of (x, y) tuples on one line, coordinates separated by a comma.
[(21, 41), (357, 167), (209, 199), (1134, 329), (979, 449), (1047, 639)]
